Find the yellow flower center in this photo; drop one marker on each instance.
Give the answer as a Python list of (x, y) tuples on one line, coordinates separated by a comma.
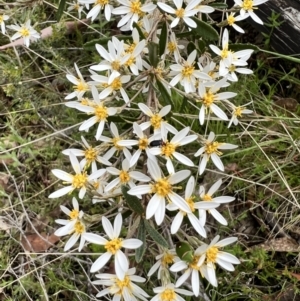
[(168, 295), (193, 265), (187, 71), (121, 284), (116, 84), (130, 48), (74, 214), (90, 155), (155, 121), (24, 32), (191, 203), (136, 7), (238, 112), (101, 2), (208, 99), (76, 6), (143, 143), (85, 101), (211, 254), (130, 61), (101, 112), (79, 227), (212, 147), (231, 19), (115, 143), (207, 198), (114, 245), (162, 187), (225, 52), (79, 180), (124, 176), (171, 47), (1, 18), (179, 12), (248, 5), (168, 149), (167, 259), (81, 86), (115, 65), (231, 68)]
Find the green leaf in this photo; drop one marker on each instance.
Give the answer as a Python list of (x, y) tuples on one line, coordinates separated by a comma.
[(141, 34), (153, 54), (60, 9), (164, 92), (132, 201), (287, 57), (163, 39), (204, 30), (185, 251), (191, 47), (139, 253), (218, 5), (238, 47), (158, 238), (184, 34)]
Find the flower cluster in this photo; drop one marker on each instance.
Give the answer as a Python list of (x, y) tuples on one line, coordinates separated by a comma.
[(142, 163)]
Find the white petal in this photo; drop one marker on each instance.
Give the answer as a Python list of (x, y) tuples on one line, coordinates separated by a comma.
[(131, 243), (100, 262), (121, 264), (108, 227), (177, 221), (118, 222)]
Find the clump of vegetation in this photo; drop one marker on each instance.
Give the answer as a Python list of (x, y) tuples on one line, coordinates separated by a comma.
[(145, 153)]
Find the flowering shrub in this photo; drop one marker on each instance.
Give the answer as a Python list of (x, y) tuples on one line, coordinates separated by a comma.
[(145, 168)]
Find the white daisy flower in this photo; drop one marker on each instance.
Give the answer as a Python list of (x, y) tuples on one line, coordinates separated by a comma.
[(75, 5), (225, 53), (168, 149), (125, 177), (186, 73), (173, 48), (116, 147), (183, 13), (122, 289), (3, 18), (209, 96), (78, 181), (197, 225), (211, 150), (159, 125), (96, 108), (238, 112), (169, 293), (231, 19), (80, 86), (232, 69), (74, 226), (133, 11), (113, 246), (212, 255), (163, 191), (207, 197), (166, 258), (248, 7), (143, 144), (25, 31), (112, 84), (114, 58), (97, 7), (90, 155)]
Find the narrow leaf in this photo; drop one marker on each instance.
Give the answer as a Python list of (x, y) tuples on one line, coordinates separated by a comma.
[(238, 47), (205, 30), (153, 54), (141, 34), (163, 39), (164, 92), (60, 9), (132, 201), (141, 235), (158, 238)]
